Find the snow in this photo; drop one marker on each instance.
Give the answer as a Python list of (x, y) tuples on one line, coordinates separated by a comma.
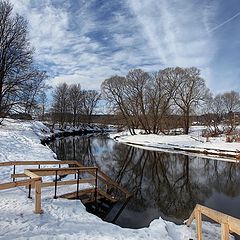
[(63, 219), (192, 142)]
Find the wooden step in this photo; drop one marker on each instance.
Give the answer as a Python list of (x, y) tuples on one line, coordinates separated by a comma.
[(91, 200), (80, 193), (107, 196), (100, 193)]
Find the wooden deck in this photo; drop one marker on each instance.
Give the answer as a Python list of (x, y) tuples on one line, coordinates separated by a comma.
[(32, 179)]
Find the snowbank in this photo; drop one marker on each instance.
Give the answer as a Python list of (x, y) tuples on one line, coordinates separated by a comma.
[(188, 143), (63, 219)]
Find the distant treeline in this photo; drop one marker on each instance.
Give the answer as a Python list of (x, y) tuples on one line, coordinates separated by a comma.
[(172, 98)]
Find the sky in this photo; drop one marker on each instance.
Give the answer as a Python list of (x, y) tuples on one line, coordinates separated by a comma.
[(87, 41)]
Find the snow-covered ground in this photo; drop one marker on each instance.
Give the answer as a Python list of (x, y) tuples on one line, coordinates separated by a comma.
[(188, 143), (63, 219)]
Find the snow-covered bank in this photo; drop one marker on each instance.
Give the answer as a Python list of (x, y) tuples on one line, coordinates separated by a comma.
[(63, 219), (189, 143), (57, 131)]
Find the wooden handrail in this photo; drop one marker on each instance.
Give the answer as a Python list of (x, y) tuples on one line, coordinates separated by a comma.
[(41, 162), (105, 178), (21, 183), (61, 171), (228, 223)]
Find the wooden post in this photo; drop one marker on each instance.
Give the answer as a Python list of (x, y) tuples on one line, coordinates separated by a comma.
[(198, 218), (96, 189), (224, 231), (55, 189), (77, 182), (29, 190), (14, 172), (38, 209)]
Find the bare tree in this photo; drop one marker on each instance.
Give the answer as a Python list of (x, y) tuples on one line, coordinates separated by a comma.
[(113, 90), (163, 87), (42, 101), (15, 57), (60, 105), (90, 98), (75, 101), (32, 90), (231, 101), (231, 105), (213, 114), (220, 112), (136, 97), (191, 91)]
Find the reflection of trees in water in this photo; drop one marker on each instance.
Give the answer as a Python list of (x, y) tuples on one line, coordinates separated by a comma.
[(172, 183), (226, 178), (158, 180)]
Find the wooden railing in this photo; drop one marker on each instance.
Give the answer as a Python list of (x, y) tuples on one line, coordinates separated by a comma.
[(228, 224), (39, 173), (36, 175)]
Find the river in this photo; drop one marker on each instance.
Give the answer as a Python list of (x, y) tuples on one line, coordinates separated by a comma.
[(164, 184)]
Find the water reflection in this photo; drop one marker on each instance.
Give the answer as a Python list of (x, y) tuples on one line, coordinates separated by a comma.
[(165, 184)]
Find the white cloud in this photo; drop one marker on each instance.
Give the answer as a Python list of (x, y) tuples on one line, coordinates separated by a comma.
[(77, 44)]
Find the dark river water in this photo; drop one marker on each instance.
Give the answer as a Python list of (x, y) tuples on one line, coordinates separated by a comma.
[(165, 184)]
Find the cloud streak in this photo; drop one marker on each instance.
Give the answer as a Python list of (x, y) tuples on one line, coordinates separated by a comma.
[(225, 22)]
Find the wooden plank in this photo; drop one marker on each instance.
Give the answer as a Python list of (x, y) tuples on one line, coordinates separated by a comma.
[(38, 190), (81, 192), (32, 175), (41, 162), (18, 175), (67, 168), (9, 185), (224, 231), (214, 215), (68, 182), (234, 224), (192, 216), (198, 218), (61, 171), (91, 200)]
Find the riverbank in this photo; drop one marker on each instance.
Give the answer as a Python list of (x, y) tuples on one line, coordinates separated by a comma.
[(63, 219), (192, 143), (73, 131)]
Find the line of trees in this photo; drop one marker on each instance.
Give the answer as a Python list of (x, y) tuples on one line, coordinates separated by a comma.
[(221, 112), (167, 99), (71, 105), (22, 84)]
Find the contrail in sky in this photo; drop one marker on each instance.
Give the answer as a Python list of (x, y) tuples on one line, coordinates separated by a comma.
[(225, 22)]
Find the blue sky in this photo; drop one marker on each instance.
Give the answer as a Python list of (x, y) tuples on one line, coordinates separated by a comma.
[(87, 41)]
